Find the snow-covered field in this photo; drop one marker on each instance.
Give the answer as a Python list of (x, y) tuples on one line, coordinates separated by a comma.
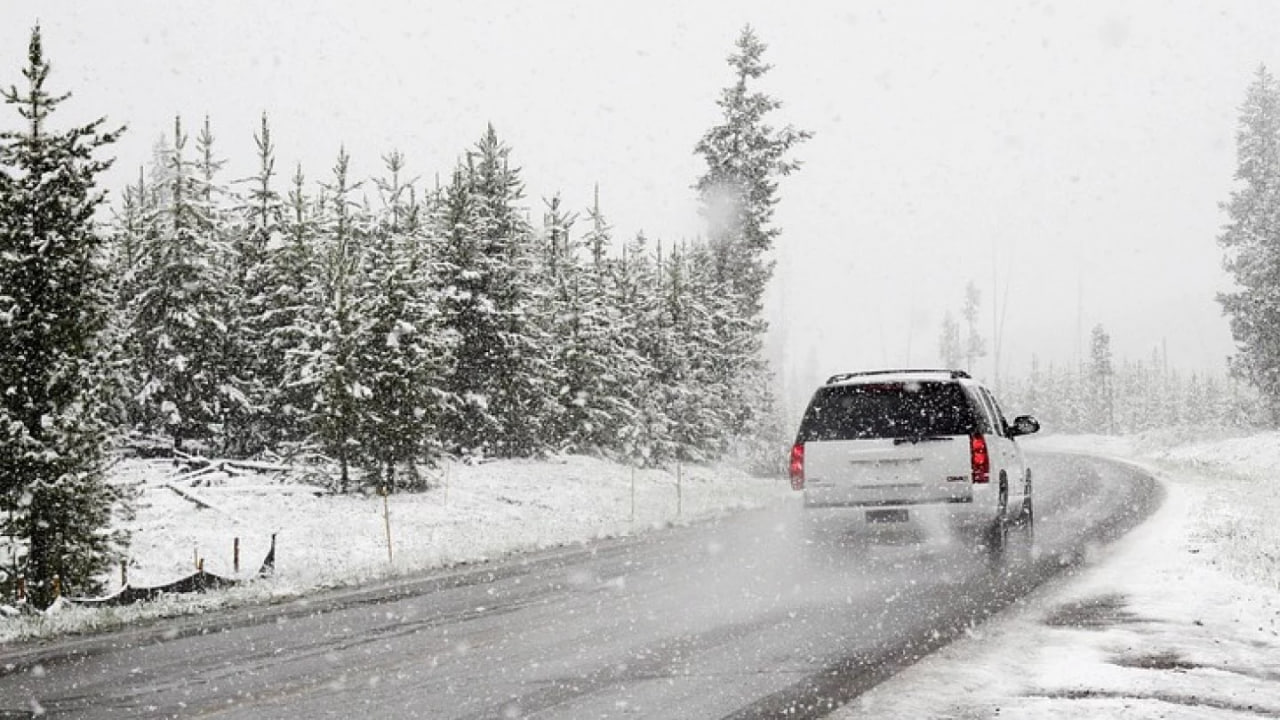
[(1179, 619)]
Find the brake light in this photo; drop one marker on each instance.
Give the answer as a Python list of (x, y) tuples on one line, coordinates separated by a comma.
[(797, 466), (979, 459)]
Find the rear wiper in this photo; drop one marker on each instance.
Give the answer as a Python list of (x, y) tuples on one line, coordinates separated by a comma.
[(919, 439)]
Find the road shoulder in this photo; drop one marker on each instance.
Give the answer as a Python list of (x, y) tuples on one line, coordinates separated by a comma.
[(1152, 626)]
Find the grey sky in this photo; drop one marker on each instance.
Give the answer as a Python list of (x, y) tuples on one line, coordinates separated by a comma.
[(1081, 148)]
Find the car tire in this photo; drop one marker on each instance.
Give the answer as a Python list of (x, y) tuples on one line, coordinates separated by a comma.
[(997, 535), (1027, 518)]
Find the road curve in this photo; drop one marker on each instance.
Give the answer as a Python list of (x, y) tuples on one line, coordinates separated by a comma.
[(734, 619)]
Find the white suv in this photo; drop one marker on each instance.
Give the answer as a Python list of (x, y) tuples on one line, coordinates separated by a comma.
[(894, 442)]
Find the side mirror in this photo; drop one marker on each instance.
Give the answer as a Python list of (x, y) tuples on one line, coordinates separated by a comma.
[(1024, 425)]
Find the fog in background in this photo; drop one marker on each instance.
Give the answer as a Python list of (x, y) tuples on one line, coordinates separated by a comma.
[(1068, 157)]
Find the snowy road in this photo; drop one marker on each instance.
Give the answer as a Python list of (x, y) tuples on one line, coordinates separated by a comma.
[(731, 619)]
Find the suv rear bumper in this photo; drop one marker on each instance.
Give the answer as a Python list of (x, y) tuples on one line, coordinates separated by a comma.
[(962, 499), (809, 502)]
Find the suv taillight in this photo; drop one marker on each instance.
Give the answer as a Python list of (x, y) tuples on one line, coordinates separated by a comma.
[(797, 466), (979, 459)]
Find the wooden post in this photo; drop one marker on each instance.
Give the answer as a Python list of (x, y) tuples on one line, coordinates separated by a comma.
[(679, 491), (22, 588), (124, 573), (235, 555), (57, 587), (386, 519), (200, 565)]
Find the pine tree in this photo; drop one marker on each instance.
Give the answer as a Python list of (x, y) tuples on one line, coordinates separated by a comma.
[(648, 439), (745, 156), (501, 373), (606, 363), (700, 399), (291, 321), (180, 316), (330, 367), (1251, 240), (55, 503), (949, 347), (131, 237), (563, 308), (974, 345), (236, 430), (1101, 388), (405, 353), (260, 363)]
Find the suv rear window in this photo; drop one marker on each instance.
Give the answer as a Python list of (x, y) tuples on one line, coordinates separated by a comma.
[(888, 410)]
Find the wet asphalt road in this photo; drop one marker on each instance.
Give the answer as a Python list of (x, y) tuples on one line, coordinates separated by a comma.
[(735, 619)]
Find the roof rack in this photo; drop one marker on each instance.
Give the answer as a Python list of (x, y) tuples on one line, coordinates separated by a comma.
[(954, 374)]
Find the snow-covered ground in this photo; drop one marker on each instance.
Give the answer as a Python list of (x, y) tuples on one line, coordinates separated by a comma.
[(1178, 619)]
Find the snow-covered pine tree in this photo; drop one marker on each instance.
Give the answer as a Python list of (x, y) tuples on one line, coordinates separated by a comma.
[(733, 375), (745, 157), (1032, 397), (470, 313), (404, 356), (647, 439), (1251, 241), (1101, 396), (236, 433), (131, 237), (260, 363), (179, 316), (501, 370), (330, 361), (974, 344), (949, 347), (696, 398), (55, 503), (601, 362), (561, 297), (291, 321), (1197, 412)]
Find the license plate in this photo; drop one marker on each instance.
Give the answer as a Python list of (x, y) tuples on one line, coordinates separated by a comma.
[(896, 515)]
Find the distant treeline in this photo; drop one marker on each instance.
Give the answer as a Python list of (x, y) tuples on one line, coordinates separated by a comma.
[(1136, 396)]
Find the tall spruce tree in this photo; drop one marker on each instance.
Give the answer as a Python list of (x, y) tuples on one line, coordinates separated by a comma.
[(130, 240), (950, 348), (338, 325), (745, 156), (1101, 382), (974, 344), (648, 439), (1251, 240), (500, 372), (696, 392), (180, 314), (55, 503), (259, 362), (292, 305), (405, 353), (562, 307), (598, 359)]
